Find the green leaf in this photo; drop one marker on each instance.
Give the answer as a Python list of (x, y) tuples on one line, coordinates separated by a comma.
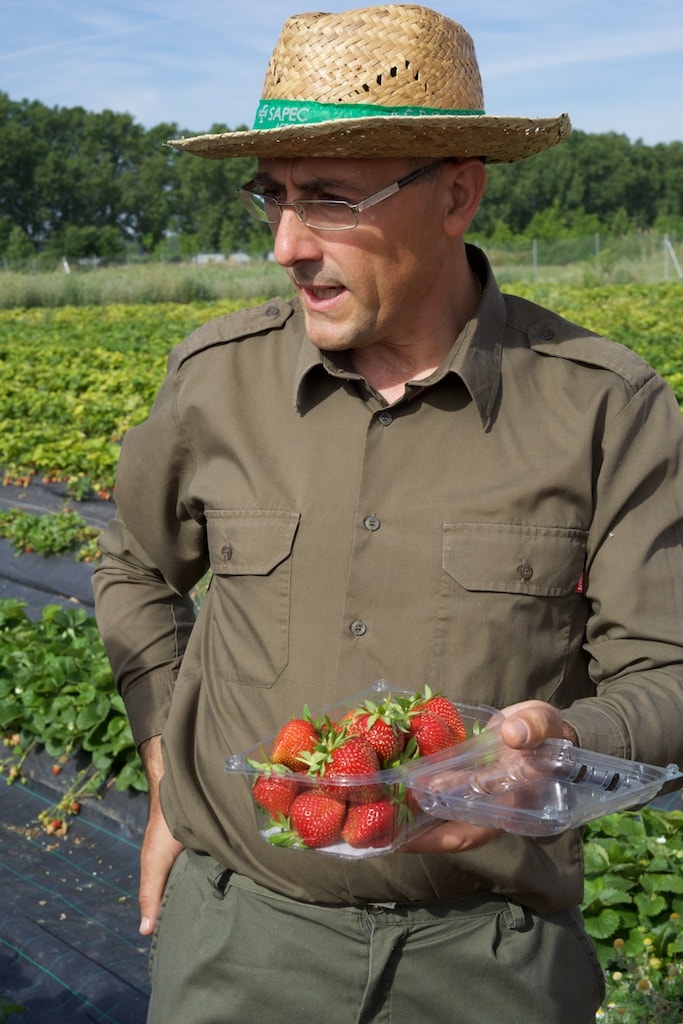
[(649, 905), (94, 713), (131, 776), (655, 883), (596, 858), (612, 895), (604, 925)]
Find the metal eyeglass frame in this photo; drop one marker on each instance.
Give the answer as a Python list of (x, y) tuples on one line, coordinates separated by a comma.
[(303, 207)]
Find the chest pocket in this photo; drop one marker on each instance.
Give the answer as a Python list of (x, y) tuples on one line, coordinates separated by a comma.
[(511, 618), (249, 543), (249, 598), (544, 561)]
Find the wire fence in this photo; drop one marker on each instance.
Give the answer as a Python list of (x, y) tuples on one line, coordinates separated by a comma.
[(643, 257)]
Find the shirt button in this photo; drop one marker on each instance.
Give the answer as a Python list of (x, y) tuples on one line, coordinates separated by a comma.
[(385, 418), (525, 570), (358, 627), (226, 552), (271, 311), (546, 334), (371, 523)]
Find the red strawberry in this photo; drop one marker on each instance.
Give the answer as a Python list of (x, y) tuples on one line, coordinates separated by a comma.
[(352, 756), (275, 793), (431, 733), (317, 817), (370, 825), (443, 706), (297, 736), (387, 739)]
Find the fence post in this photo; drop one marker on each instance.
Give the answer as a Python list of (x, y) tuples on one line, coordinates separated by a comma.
[(670, 251)]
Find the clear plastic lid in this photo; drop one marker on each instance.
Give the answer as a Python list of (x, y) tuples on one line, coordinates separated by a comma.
[(537, 792)]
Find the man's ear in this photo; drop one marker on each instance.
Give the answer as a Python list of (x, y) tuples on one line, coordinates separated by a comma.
[(466, 183)]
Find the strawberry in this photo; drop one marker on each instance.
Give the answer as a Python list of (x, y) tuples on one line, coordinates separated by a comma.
[(443, 706), (431, 733), (275, 793), (297, 736), (349, 756), (370, 824), (384, 735), (317, 818)]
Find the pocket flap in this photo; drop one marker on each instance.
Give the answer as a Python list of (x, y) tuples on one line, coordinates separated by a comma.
[(249, 542), (543, 560)]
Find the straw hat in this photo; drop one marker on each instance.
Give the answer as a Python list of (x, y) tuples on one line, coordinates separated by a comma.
[(389, 81)]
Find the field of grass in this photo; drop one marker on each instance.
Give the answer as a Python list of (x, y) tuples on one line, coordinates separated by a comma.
[(142, 283), (637, 258)]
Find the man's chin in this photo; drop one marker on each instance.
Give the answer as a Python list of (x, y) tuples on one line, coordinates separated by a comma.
[(324, 334)]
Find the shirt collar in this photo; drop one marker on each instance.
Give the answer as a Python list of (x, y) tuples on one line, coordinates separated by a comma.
[(475, 356)]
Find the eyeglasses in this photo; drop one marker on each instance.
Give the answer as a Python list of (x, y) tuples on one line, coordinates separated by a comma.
[(325, 214)]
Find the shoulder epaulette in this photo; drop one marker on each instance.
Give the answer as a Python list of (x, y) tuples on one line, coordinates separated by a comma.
[(244, 323), (550, 334)]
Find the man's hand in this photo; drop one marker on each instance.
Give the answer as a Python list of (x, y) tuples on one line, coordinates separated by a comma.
[(526, 726), (159, 848)]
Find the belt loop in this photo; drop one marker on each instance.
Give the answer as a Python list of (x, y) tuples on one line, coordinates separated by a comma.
[(515, 916), (219, 880)]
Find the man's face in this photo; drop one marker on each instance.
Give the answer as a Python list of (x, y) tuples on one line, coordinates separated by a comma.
[(373, 284)]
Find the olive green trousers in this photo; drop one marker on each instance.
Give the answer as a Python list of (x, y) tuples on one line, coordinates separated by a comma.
[(227, 951)]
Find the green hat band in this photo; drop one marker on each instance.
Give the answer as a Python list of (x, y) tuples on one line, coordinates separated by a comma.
[(279, 113)]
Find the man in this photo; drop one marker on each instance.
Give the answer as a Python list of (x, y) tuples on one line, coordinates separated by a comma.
[(399, 473)]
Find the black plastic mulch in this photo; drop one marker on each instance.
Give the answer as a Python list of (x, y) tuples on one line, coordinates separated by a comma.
[(69, 946), (70, 950)]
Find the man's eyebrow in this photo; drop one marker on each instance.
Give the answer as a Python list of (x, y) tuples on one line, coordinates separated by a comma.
[(264, 181)]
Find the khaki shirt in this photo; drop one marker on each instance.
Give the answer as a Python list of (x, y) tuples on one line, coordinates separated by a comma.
[(510, 529)]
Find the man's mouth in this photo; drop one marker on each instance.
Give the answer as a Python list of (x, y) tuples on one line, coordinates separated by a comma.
[(327, 291)]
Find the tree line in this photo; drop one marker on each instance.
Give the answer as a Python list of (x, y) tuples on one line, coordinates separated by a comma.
[(99, 185)]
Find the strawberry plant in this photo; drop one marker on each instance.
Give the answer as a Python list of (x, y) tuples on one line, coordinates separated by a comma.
[(48, 534), (633, 908), (642, 988), (57, 694), (634, 882), (62, 416)]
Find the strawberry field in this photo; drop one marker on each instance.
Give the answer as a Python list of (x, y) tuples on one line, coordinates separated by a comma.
[(74, 379)]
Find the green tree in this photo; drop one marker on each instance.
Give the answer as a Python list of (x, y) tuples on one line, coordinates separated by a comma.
[(98, 184), (152, 194), (208, 207), (19, 246)]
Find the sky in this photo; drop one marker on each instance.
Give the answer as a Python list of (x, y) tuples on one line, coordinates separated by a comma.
[(613, 65)]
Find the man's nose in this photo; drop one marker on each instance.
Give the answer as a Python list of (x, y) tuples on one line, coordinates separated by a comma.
[(293, 241)]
